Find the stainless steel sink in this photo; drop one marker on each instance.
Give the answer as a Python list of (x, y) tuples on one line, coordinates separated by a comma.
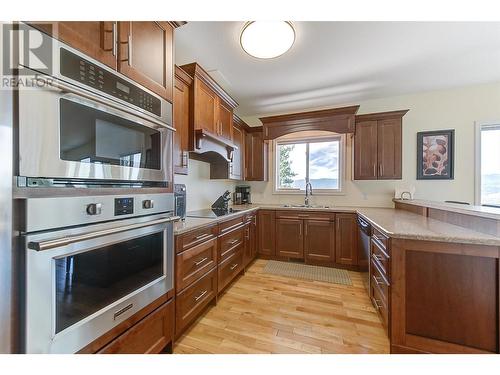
[(305, 206)]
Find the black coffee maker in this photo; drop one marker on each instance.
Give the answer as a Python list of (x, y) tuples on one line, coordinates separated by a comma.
[(242, 195)]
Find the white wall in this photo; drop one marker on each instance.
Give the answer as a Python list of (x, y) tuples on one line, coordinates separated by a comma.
[(455, 109), (201, 190)]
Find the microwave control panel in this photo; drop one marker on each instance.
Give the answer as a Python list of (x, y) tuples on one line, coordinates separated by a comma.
[(92, 75), (124, 206)]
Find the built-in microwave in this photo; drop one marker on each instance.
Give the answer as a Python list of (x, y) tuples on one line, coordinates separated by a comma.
[(86, 122)]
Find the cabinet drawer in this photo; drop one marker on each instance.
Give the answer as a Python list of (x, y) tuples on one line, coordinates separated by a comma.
[(380, 304), (192, 300), (380, 257), (297, 214), (378, 279), (195, 237), (230, 242), (231, 224), (149, 335), (381, 238), (229, 269), (194, 263)]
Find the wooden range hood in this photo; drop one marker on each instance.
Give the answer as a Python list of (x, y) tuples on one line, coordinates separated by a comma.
[(337, 120)]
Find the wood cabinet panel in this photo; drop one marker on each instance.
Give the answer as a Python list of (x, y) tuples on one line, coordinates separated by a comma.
[(266, 232), (365, 151), (256, 154), (319, 240), (346, 249), (289, 238), (150, 335), (389, 149), (225, 120), (194, 237), (205, 107), (231, 242), (94, 38), (181, 97), (229, 269), (145, 54), (192, 300), (194, 263), (250, 240)]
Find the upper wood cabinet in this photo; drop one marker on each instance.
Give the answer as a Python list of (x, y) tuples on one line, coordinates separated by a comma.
[(346, 233), (182, 84), (145, 54), (142, 51), (256, 153), (211, 107), (94, 38), (378, 146)]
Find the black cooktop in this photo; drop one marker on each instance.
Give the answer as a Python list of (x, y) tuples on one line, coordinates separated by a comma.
[(210, 213)]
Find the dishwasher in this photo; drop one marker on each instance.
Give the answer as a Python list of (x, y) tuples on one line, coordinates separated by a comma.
[(364, 234)]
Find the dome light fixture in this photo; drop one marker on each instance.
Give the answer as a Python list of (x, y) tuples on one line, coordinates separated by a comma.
[(267, 39)]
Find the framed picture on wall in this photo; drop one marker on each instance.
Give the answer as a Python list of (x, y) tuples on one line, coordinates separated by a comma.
[(435, 155)]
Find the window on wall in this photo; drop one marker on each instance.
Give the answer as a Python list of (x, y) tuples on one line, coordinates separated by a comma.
[(489, 165), (315, 160)]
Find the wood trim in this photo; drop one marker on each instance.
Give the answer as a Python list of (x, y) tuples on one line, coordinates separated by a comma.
[(196, 71), (338, 120), (411, 208), (381, 115), (183, 76), (238, 121)]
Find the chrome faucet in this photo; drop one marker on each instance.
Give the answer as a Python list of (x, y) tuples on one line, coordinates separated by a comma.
[(309, 191)]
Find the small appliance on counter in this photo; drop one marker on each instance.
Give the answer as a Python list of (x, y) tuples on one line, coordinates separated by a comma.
[(242, 195), (221, 204), (180, 201)]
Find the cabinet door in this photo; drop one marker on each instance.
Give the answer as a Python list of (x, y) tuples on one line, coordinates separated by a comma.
[(346, 249), (257, 158), (94, 38), (266, 232), (365, 151), (389, 149), (289, 238), (238, 155), (181, 125), (319, 241), (225, 121), (248, 157), (205, 108), (146, 55)]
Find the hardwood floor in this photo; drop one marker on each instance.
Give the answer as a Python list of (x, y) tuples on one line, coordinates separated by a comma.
[(262, 313)]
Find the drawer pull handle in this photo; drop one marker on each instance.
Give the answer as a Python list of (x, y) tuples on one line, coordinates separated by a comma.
[(117, 314), (234, 266), (200, 295), (378, 304), (200, 261), (378, 280), (378, 257), (233, 242), (201, 236)]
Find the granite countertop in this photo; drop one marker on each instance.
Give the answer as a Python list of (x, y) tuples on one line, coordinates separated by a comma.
[(480, 211), (395, 223)]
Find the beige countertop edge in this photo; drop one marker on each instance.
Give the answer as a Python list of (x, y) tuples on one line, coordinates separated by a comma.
[(479, 211), (419, 227)]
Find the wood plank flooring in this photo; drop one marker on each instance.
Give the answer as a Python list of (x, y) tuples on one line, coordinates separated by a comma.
[(262, 313)]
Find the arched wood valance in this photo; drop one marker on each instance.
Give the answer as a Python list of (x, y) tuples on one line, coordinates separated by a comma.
[(337, 120)]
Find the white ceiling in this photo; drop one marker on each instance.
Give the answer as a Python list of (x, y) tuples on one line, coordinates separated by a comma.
[(334, 63)]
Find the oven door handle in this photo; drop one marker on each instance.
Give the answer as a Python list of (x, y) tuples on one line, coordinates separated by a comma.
[(60, 242), (71, 89)]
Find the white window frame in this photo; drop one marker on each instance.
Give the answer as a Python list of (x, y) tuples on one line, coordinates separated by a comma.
[(294, 191), (477, 168)]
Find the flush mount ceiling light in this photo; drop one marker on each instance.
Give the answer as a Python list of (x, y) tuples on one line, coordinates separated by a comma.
[(267, 39)]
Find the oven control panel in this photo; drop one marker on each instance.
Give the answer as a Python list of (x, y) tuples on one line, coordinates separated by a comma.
[(124, 206), (92, 75)]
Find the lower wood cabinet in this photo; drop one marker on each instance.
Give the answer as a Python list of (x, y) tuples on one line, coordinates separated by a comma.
[(194, 263), (266, 232), (289, 238), (319, 241), (346, 248), (150, 335), (229, 269), (250, 251), (192, 300)]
